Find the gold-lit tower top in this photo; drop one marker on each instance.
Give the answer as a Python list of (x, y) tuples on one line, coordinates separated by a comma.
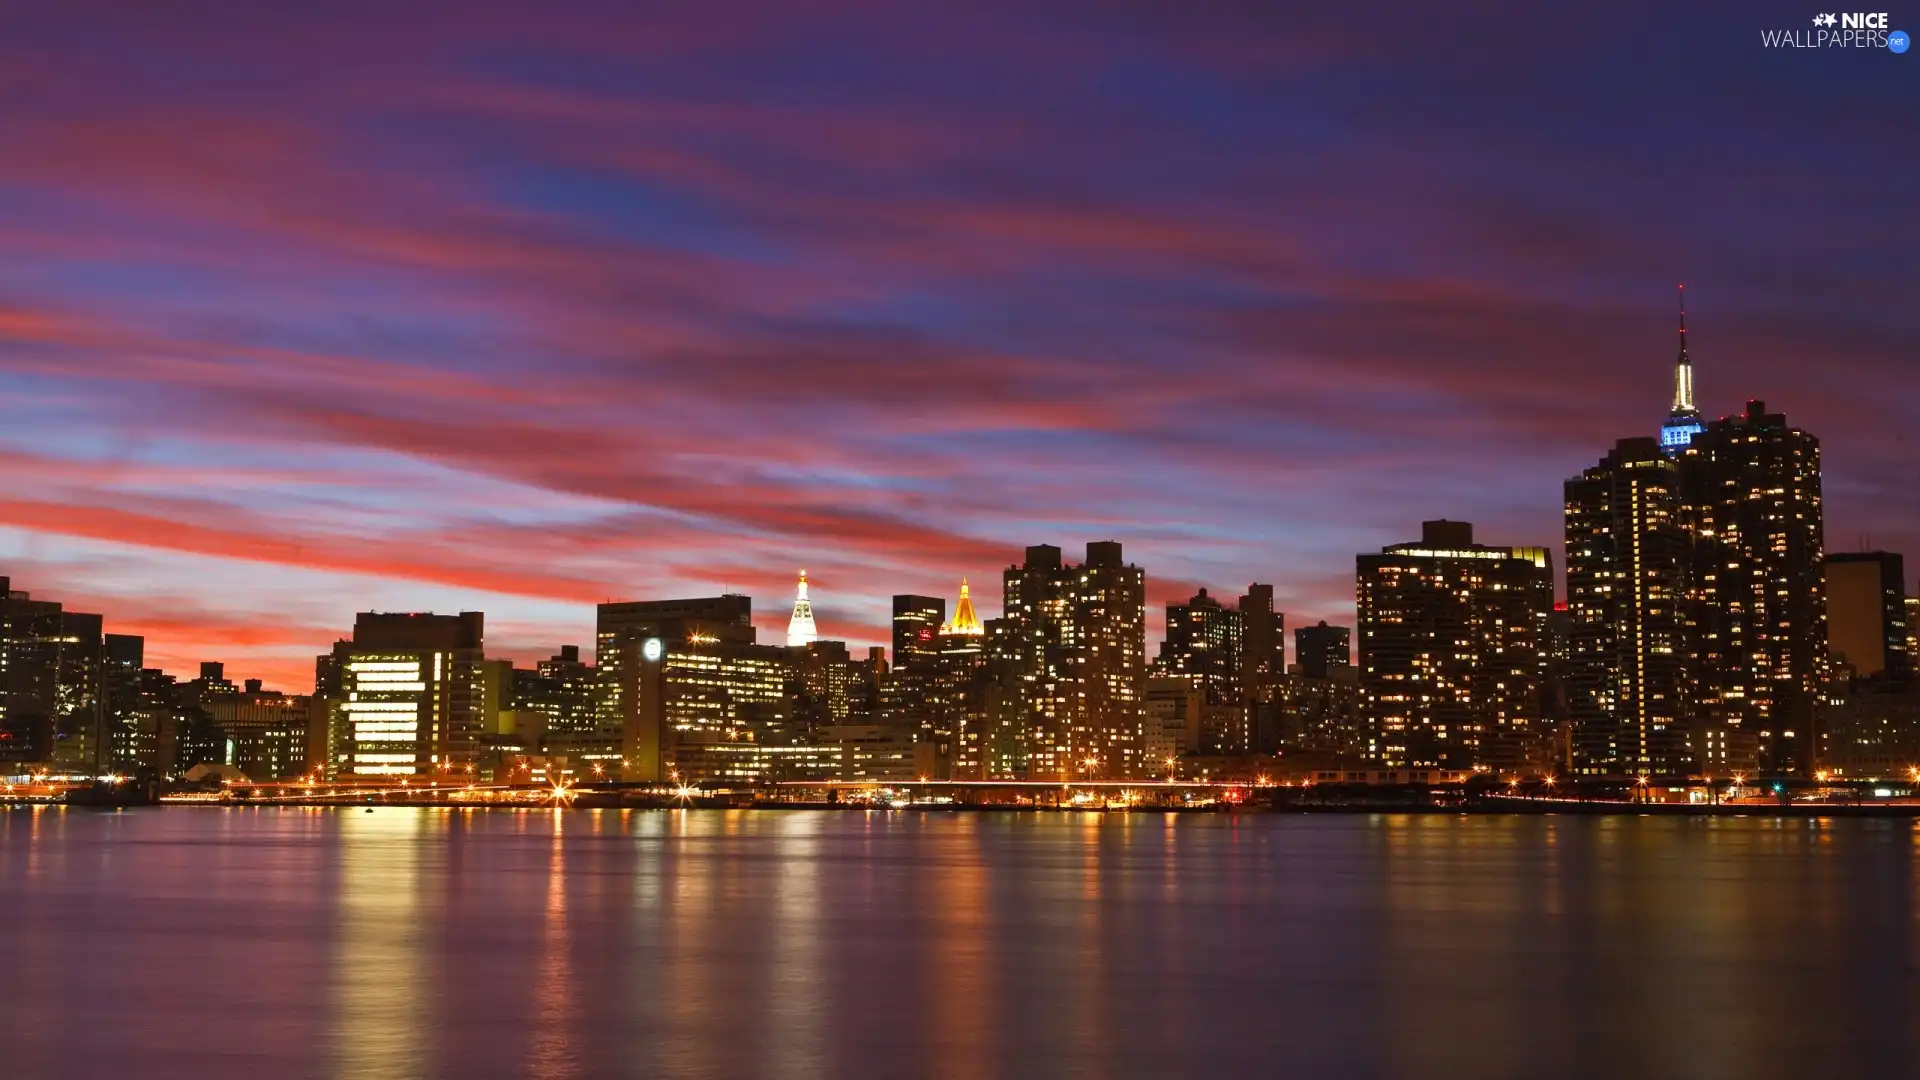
[(964, 620)]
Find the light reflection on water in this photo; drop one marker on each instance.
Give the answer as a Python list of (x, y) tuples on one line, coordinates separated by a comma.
[(567, 945)]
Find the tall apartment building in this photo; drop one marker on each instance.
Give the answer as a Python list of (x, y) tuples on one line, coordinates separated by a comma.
[(1627, 563), (1205, 643), (1751, 501), (1450, 649), (1074, 642)]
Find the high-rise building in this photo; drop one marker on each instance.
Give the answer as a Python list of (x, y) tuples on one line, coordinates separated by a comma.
[(1913, 631), (79, 713), (950, 717), (32, 642), (800, 628), (700, 692), (1450, 655), (123, 655), (412, 696), (916, 628), (555, 704), (1751, 500), (1867, 613), (1074, 641), (1263, 654), (1205, 644), (1322, 650), (835, 686), (1683, 422), (632, 634), (1627, 561)]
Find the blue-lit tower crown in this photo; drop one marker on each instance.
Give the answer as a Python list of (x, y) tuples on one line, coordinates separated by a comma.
[(1683, 423)]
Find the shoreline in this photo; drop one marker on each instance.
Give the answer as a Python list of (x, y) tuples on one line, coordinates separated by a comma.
[(1573, 809)]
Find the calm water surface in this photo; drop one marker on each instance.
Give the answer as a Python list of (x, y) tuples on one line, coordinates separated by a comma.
[(276, 943)]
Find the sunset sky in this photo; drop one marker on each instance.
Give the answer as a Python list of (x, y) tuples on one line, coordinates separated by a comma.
[(309, 309)]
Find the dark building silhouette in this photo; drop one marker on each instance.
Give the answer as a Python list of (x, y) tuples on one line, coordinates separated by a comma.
[(1322, 650), (1867, 613), (1264, 652)]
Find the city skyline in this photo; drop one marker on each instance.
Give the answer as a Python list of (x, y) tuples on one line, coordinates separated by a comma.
[(784, 622), (553, 307)]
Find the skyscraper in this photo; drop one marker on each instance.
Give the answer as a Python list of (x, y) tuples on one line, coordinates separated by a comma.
[(1074, 640), (916, 628), (631, 639), (1205, 644), (1627, 559), (1263, 656), (1683, 422), (1913, 631), (1751, 500), (122, 699), (800, 628), (31, 644), (1450, 656), (1322, 650), (412, 697), (1867, 613)]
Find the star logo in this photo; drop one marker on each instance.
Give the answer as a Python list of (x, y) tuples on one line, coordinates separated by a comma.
[(1824, 20)]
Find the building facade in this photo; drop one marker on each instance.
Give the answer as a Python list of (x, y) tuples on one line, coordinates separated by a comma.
[(1450, 649), (1751, 503), (1627, 561), (1074, 645), (1867, 613), (411, 696), (1205, 643)]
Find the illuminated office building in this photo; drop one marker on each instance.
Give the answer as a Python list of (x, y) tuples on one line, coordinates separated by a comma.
[(265, 735), (1751, 500), (123, 656), (945, 700), (49, 670), (1626, 669), (1205, 644), (916, 627), (555, 702), (1450, 657), (693, 694), (632, 634), (1867, 613), (1074, 641), (907, 693), (1913, 631), (411, 695), (697, 696), (80, 732), (835, 686)]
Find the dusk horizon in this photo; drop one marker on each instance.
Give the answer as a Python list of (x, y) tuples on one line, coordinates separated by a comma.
[(541, 308)]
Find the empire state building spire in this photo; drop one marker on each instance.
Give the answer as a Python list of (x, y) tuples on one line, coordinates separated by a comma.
[(1683, 423), (800, 628)]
